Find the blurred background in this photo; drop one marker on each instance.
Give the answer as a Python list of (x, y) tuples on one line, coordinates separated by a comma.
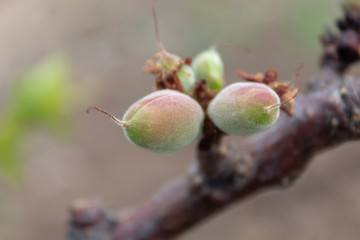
[(93, 52)]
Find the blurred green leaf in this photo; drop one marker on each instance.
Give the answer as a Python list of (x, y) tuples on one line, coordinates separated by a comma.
[(42, 96), (11, 132)]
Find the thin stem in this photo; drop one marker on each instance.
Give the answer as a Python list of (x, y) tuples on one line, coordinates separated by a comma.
[(115, 119), (269, 108), (161, 47)]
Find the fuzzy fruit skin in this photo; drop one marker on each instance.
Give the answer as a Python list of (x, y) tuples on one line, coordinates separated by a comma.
[(187, 78), (209, 66), (239, 109), (165, 121)]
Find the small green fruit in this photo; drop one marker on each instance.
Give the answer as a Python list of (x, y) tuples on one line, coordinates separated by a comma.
[(164, 121), (169, 62), (209, 66), (186, 75), (244, 108), (43, 93), (187, 78)]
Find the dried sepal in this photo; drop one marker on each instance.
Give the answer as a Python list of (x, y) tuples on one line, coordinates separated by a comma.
[(203, 94), (283, 90), (164, 79)]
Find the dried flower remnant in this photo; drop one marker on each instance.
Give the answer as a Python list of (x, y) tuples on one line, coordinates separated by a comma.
[(283, 90), (171, 71)]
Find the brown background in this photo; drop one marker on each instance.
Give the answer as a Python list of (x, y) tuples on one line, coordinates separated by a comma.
[(108, 42)]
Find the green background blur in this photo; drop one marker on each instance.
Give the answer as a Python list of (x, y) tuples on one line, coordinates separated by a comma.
[(106, 43)]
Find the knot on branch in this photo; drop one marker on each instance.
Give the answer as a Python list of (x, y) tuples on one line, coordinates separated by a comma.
[(89, 221), (342, 50), (350, 96)]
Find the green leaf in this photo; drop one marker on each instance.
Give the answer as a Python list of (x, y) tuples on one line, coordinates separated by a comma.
[(11, 132), (43, 93), (42, 96)]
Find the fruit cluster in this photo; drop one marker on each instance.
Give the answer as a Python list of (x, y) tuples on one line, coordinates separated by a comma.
[(172, 117)]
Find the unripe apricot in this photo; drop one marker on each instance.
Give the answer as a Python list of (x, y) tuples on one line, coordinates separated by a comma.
[(244, 108), (164, 121), (184, 72), (187, 78), (209, 66)]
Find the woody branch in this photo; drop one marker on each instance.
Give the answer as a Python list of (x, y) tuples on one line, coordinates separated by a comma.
[(328, 116)]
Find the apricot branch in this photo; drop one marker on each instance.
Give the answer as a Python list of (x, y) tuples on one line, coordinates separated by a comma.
[(276, 158), (222, 175)]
